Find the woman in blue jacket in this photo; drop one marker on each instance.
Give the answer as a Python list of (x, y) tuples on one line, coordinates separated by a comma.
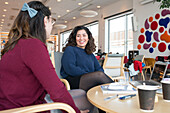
[(79, 65)]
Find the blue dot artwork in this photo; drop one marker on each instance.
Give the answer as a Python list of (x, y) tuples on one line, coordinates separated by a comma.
[(164, 22), (148, 36), (151, 50), (169, 46)]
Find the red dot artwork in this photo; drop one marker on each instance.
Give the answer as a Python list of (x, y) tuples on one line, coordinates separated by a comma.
[(154, 44), (157, 16), (161, 29), (139, 46), (165, 37), (141, 38), (162, 47), (154, 25), (142, 30), (156, 29), (150, 19)]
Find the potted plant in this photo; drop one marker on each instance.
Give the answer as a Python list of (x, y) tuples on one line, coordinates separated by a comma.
[(163, 3)]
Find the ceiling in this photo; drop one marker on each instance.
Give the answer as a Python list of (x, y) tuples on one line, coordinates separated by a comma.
[(57, 8)]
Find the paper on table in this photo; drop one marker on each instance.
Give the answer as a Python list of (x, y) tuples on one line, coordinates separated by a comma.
[(120, 89)]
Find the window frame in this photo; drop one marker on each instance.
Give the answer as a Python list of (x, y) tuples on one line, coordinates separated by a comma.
[(107, 34), (92, 24)]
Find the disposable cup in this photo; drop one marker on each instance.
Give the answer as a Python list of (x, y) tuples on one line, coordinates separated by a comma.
[(146, 94), (166, 90)]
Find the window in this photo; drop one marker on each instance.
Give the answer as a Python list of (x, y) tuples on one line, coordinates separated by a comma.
[(51, 44), (94, 30), (56, 43), (120, 34), (64, 38)]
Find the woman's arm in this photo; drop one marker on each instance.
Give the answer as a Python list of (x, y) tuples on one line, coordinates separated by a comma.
[(35, 55), (69, 63)]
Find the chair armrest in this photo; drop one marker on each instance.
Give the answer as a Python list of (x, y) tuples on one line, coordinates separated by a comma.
[(40, 108), (66, 83)]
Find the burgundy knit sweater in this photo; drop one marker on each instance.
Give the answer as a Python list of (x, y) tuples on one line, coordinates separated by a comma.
[(27, 74)]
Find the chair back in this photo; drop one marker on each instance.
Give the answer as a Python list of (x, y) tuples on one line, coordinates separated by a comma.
[(139, 58), (149, 62), (113, 66), (56, 61), (41, 107)]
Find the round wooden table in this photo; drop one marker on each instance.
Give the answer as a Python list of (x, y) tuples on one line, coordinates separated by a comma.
[(96, 97)]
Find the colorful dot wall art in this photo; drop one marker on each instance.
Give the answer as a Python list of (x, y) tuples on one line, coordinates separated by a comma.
[(156, 33)]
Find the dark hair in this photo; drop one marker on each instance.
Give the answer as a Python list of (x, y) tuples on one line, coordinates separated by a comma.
[(25, 27), (90, 47)]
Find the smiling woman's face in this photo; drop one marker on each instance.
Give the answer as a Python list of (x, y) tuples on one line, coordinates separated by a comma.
[(82, 39)]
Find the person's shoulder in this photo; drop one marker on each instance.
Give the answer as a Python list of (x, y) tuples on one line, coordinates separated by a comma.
[(31, 42), (69, 48)]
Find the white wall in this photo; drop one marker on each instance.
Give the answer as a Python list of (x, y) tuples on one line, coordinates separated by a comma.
[(117, 7), (143, 12), (140, 11)]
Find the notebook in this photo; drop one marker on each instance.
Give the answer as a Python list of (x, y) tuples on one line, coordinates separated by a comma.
[(157, 75), (118, 88)]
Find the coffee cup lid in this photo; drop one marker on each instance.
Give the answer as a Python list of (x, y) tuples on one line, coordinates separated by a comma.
[(148, 87), (167, 81)]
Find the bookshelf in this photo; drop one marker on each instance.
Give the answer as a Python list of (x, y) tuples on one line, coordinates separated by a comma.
[(52, 42)]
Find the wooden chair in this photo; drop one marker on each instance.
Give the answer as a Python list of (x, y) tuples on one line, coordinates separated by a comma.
[(40, 108), (56, 61), (149, 62), (113, 66), (139, 58)]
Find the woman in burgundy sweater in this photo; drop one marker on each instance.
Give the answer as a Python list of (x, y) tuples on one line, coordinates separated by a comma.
[(26, 71)]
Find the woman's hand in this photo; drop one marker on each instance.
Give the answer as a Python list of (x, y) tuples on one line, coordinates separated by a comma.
[(84, 111)]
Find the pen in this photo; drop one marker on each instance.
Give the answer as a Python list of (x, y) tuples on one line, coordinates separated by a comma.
[(110, 97), (127, 96)]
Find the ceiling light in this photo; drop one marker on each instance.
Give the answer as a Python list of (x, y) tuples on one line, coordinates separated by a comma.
[(65, 21), (49, 8), (67, 11), (3, 15), (5, 10), (1, 25), (74, 17), (2, 22), (6, 2), (2, 19), (58, 0), (58, 16), (60, 26), (98, 7), (88, 13), (79, 3)]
